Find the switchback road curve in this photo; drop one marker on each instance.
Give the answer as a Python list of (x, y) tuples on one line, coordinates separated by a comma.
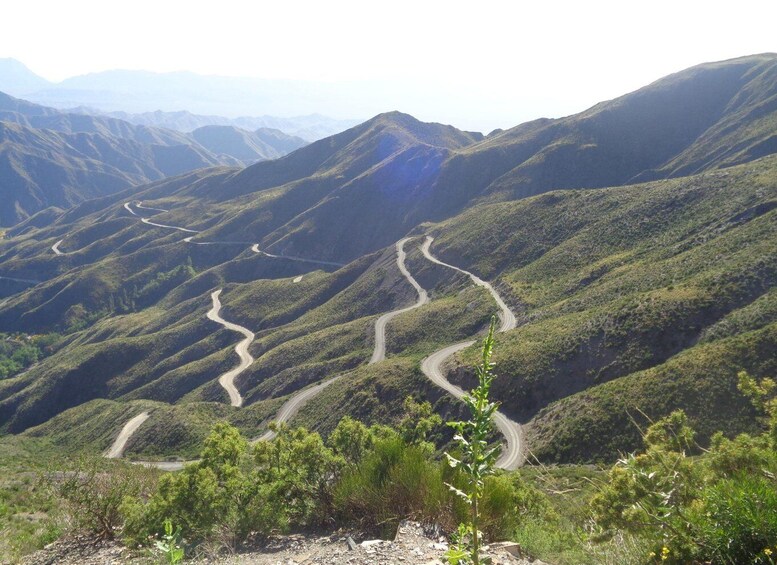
[(512, 456)]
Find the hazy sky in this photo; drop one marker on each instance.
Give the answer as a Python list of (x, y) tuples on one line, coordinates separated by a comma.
[(477, 64)]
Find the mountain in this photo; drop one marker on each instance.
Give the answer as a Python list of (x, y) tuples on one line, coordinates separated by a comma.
[(309, 128), (53, 158), (144, 93), (361, 190), (247, 146), (42, 168), (638, 287), (18, 79), (265, 143), (712, 115), (42, 117)]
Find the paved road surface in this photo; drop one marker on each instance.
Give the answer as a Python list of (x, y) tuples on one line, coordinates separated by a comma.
[(293, 405), (28, 281), (150, 223), (512, 456), (117, 449), (128, 207), (227, 380), (55, 248)]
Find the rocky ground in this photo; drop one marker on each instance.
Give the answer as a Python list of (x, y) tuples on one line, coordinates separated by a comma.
[(413, 545)]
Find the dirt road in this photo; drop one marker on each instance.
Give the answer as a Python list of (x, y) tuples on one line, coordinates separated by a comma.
[(117, 449), (227, 380)]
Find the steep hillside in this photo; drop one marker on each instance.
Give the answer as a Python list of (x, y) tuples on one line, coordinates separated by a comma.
[(633, 285), (41, 168), (631, 299), (709, 116), (310, 128), (53, 158)]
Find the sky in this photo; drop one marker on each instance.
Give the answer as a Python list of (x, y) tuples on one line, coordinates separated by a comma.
[(477, 65)]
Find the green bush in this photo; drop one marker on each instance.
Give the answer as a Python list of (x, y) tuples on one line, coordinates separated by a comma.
[(394, 480), (205, 497), (737, 520), (93, 493), (720, 507)]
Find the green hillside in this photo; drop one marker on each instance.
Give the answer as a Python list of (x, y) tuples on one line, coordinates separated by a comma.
[(613, 282), (633, 298)]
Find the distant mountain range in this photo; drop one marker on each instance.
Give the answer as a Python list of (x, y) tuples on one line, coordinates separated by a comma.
[(636, 241), (53, 158), (309, 128), (168, 100)]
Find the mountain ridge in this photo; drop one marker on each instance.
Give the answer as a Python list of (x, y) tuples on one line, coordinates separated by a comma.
[(78, 156), (620, 291)]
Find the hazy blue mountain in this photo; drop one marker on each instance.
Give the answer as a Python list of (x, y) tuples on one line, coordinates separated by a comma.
[(268, 143), (183, 101), (41, 117), (143, 91), (18, 79), (40, 168), (54, 158), (310, 128)]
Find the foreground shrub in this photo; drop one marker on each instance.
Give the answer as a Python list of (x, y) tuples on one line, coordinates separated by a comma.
[(738, 520), (297, 472), (720, 507), (93, 493), (204, 498), (370, 477), (394, 480)]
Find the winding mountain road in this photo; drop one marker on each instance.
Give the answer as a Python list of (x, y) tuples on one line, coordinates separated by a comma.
[(379, 353), (55, 248), (293, 405), (139, 204), (512, 456), (227, 380), (505, 314), (150, 223), (117, 449), (188, 239), (128, 207), (296, 402), (28, 281)]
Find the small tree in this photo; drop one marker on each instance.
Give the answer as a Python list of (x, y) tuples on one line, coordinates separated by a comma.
[(477, 459)]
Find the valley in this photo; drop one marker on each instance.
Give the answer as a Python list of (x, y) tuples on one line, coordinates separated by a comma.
[(511, 457), (127, 277), (628, 254)]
